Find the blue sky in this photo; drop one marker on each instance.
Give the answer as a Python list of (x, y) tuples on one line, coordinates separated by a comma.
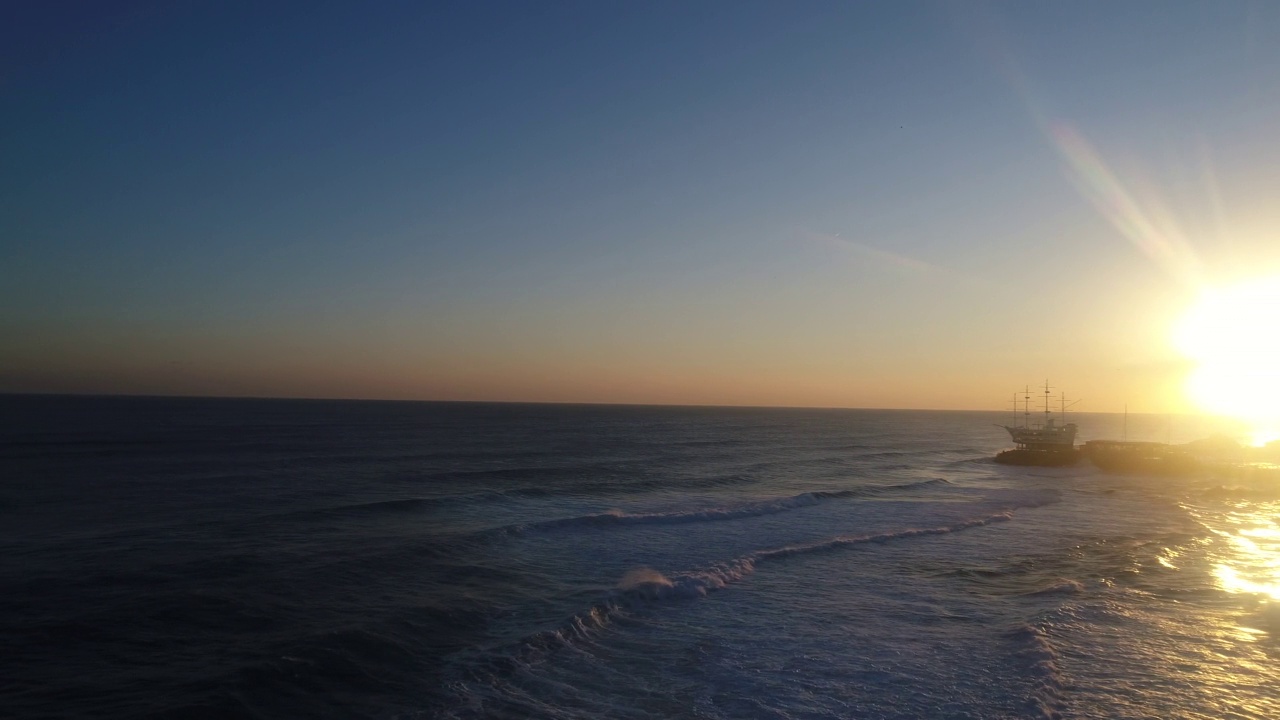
[(754, 203)]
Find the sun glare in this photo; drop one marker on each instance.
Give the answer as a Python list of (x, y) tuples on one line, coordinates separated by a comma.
[(1230, 335)]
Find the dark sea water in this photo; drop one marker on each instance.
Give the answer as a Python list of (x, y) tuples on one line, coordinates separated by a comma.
[(193, 558)]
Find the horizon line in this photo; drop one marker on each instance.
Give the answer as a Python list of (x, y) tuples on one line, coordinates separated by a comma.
[(309, 398)]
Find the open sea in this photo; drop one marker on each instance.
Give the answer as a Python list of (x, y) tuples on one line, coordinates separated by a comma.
[(204, 558)]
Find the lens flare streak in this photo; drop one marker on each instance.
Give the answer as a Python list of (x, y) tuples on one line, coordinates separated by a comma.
[(1148, 225)]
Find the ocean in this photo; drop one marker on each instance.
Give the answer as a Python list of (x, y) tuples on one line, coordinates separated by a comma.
[(206, 558)]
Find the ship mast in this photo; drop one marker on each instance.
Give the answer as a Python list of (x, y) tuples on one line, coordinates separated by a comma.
[(1067, 406)]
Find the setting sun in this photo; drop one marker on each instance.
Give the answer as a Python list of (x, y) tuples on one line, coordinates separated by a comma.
[(1229, 336)]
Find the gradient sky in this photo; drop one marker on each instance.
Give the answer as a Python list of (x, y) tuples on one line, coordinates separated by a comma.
[(832, 204)]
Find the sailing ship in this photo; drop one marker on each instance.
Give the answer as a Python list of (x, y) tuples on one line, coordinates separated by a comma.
[(1051, 442)]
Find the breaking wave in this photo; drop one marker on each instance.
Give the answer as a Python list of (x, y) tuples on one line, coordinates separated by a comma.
[(766, 507), (629, 487), (608, 487), (1040, 659), (645, 587)]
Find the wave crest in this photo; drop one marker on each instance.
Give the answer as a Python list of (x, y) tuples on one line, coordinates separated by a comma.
[(643, 587), (753, 509)]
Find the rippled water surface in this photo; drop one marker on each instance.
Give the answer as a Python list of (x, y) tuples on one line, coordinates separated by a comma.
[(242, 558)]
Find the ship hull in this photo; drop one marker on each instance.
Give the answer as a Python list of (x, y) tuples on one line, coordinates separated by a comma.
[(1141, 458), (1039, 458)]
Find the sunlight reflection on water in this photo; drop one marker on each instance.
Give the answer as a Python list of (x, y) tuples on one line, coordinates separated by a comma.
[(1251, 561)]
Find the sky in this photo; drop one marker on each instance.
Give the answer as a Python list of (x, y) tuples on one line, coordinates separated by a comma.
[(909, 204)]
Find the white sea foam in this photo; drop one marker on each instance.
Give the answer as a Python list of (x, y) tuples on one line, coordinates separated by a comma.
[(1063, 586), (1040, 659), (645, 586), (642, 589)]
